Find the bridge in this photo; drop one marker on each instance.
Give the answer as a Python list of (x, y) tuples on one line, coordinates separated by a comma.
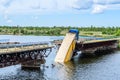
[(71, 45), (12, 53), (92, 46)]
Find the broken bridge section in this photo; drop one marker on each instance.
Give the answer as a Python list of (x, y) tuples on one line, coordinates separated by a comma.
[(20, 53)]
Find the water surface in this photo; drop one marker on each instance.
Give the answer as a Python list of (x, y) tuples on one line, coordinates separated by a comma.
[(102, 67)]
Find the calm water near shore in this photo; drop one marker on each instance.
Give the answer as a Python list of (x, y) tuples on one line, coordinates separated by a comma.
[(101, 67)]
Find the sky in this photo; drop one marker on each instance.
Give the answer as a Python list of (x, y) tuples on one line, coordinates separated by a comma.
[(60, 12)]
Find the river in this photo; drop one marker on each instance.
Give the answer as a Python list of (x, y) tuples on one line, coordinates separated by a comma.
[(101, 67)]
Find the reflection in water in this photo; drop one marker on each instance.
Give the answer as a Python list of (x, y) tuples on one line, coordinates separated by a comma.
[(102, 67)]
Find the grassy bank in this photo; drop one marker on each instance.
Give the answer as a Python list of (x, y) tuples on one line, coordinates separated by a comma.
[(96, 34)]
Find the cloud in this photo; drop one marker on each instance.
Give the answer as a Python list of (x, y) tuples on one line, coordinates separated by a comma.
[(104, 2), (30, 6), (49, 6), (83, 4), (99, 9)]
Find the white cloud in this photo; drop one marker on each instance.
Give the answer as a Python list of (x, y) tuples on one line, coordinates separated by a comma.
[(104, 2), (114, 7), (48, 6), (83, 4), (99, 8)]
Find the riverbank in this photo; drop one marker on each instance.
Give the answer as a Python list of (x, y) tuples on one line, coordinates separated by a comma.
[(59, 31)]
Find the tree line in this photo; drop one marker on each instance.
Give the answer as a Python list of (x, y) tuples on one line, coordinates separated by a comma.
[(55, 30)]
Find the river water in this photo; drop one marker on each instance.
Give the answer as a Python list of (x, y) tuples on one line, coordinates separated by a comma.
[(101, 67)]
